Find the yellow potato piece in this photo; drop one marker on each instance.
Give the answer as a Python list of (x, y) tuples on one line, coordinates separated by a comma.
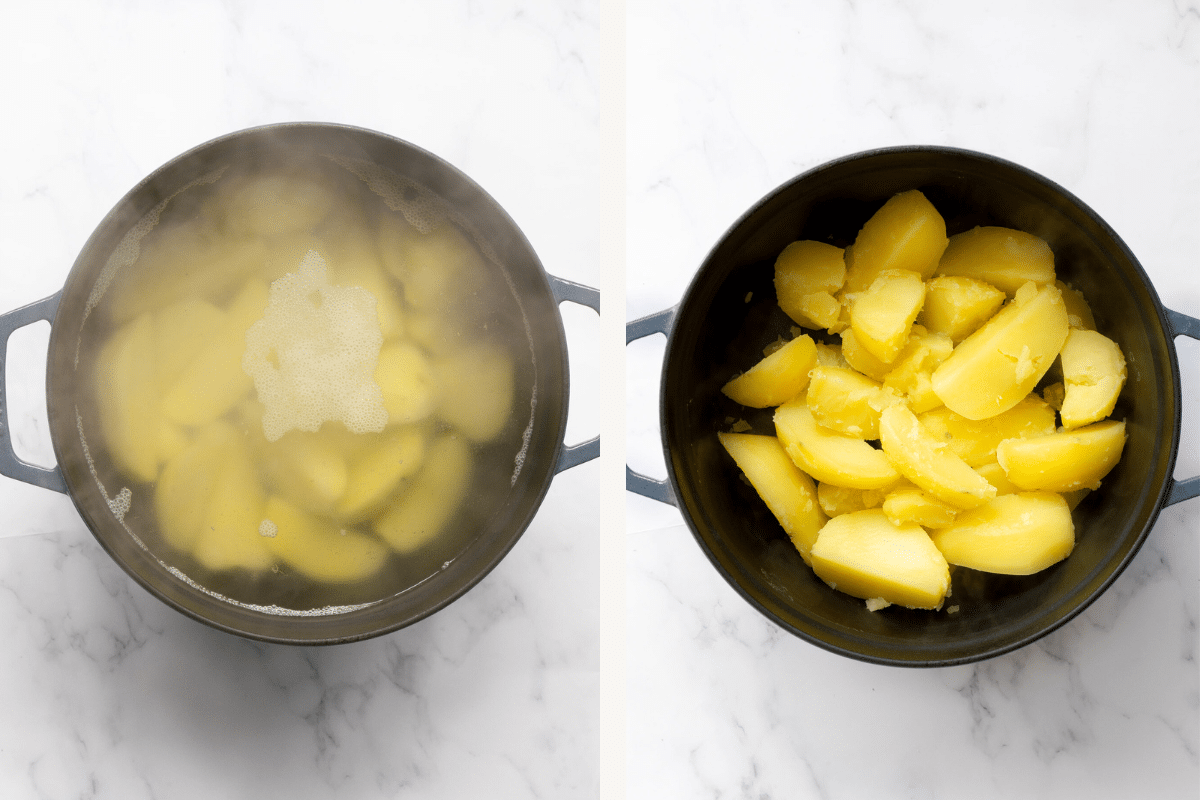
[(1093, 376), (788, 492), (1066, 461), (807, 275), (911, 376), (440, 488), (908, 504), (929, 463), (994, 474), (127, 397), (475, 390), (861, 359), (183, 492), (907, 233), (377, 471), (883, 315), (1014, 534), (181, 331), (230, 536), (307, 469), (777, 378), (214, 381), (1079, 313), (956, 306), (975, 441), (320, 549), (828, 456), (437, 268), (845, 401), (999, 364), (407, 383), (864, 555), (1004, 257), (838, 500)]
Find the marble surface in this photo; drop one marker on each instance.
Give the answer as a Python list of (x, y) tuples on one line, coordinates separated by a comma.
[(105, 692), (727, 101)]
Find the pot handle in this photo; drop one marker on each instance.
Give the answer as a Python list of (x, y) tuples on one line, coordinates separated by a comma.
[(10, 465), (634, 481), (1183, 325), (569, 292)]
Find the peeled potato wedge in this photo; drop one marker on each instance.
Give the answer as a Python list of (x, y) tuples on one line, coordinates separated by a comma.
[(183, 492), (928, 463), (1093, 376), (845, 401), (956, 306), (909, 504), (320, 549), (828, 456), (230, 536), (1065, 461), (423, 511), (882, 316), (907, 233), (475, 390), (777, 378), (407, 382), (378, 470), (807, 276), (1003, 257), (864, 555), (975, 441), (788, 492), (1014, 534)]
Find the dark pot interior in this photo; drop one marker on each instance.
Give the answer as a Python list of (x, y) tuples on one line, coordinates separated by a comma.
[(504, 499), (717, 333)]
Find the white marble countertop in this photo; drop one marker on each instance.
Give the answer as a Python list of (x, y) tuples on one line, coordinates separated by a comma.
[(623, 138), (726, 102)]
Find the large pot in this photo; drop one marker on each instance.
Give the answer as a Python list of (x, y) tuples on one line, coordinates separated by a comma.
[(715, 333), (515, 473)]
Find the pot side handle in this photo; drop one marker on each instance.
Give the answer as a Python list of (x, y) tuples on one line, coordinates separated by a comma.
[(569, 292), (10, 465), (634, 481), (1183, 325)]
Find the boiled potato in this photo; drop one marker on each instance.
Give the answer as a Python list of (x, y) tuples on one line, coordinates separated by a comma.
[(320, 549), (1093, 375), (437, 268), (1066, 461), (185, 488), (838, 500), (845, 401), (929, 463), (911, 376), (1014, 534), (975, 441), (475, 390), (994, 474), (1003, 257), (807, 276), (307, 469), (956, 306), (861, 359), (128, 399), (181, 331), (882, 316), (378, 470), (404, 375), (1079, 313), (787, 491), (909, 504), (777, 378), (828, 456), (999, 364), (864, 555), (434, 497), (907, 233), (230, 534)]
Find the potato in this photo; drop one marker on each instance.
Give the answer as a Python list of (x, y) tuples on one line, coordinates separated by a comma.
[(407, 382), (1079, 313), (807, 275), (1004, 257), (475, 390), (777, 378), (437, 269), (845, 401), (909, 504), (787, 492), (829, 456), (911, 376), (306, 469), (1014, 534), (378, 470), (181, 330), (863, 554), (907, 233), (999, 364), (128, 399), (1093, 375), (182, 496), (994, 474), (214, 381), (928, 463), (230, 536), (882, 316), (838, 500), (975, 441), (318, 548), (861, 359), (1066, 461), (434, 497), (956, 306)]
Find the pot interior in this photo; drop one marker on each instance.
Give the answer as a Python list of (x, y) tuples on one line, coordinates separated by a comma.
[(374, 176), (729, 314)]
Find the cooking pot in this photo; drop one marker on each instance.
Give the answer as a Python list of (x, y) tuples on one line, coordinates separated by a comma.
[(729, 314), (513, 475)]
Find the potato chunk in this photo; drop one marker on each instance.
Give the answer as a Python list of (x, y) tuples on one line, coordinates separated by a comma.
[(787, 491), (1004, 257), (230, 536), (882, 316), (1093, 375), (1063, 462), (807, 275), (999, 364), (320, 549), (838, 500), (909, 504), (433, 498), (1079, 313), (1015, 534), (861, 359), (777, 378), (975, 441), (829, 456), (475, 390), (185, 488), (911, 376), (907, 233), (928, 463), (863, 554), (307, 469), (406, 380), (378, 470), (956, 306), (845, 401)]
